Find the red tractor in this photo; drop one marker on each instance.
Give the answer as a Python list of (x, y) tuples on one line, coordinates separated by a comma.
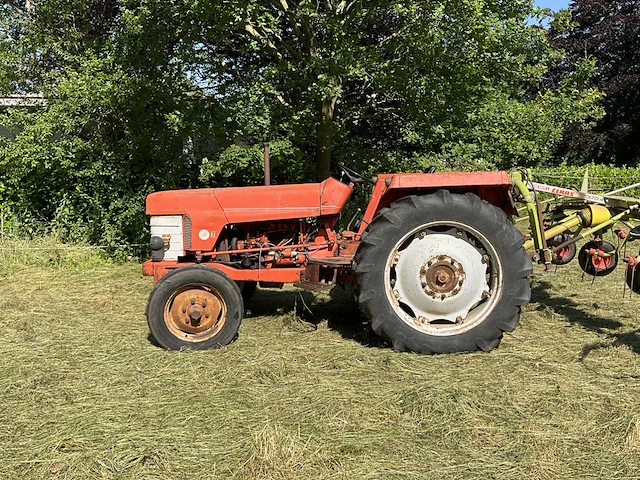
[(436, 263)]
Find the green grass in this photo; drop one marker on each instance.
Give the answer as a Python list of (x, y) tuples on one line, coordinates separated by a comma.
[(86, 395)]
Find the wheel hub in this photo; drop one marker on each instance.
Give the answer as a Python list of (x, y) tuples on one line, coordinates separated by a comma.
[(195, 311), (442, 276), (438, 277)]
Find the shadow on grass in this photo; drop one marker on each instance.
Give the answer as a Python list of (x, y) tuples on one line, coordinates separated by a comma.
[(575, 313), (340, 311), (153, 341), (342, 315)]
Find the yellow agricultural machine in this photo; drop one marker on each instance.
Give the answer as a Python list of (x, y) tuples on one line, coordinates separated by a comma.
[(568, 216)]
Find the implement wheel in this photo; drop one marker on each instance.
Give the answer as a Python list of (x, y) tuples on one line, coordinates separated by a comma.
[(595, 265), (565, 255), (195, 307), (442, 273), (632, 277)]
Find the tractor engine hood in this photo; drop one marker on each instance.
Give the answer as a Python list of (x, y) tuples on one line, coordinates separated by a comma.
[(210, 209)]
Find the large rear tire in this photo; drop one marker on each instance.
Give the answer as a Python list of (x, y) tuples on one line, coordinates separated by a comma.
[(442, 273), (195, 307)]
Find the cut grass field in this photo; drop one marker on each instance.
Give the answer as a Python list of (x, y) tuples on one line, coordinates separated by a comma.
[(85, 394)]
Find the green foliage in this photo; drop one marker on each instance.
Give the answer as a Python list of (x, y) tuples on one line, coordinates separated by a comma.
[(244, 165), (377, 79), (145, 96), (602, 178), (607, 33), (83, 164), (505, 132), (112, 131)]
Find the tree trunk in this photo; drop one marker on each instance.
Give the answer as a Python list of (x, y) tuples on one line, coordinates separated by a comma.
[(325, 139)]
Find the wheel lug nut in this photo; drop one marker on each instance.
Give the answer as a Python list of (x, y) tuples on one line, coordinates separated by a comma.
[(204, 304), (193, 301), (459, 320), (184, 309), (207, 316)]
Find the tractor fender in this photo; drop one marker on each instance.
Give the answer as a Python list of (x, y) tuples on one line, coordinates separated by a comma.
[(493, 187)]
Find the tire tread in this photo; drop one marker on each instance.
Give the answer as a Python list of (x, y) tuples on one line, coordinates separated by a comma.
[(374, 249)]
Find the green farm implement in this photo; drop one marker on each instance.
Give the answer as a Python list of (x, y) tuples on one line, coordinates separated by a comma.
[(567, 216)]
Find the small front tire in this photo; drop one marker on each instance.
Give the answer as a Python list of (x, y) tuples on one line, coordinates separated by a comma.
[(195, 307)]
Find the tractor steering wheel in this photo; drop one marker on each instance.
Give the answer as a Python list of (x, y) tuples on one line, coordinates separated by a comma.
[(355, 177)]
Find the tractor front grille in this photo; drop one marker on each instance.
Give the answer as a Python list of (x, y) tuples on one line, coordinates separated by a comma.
[(187, 232)]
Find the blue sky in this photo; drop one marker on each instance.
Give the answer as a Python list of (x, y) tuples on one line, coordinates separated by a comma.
[(552, 4)]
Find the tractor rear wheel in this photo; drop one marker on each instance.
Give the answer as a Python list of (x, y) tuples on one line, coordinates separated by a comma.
[(442, 273), (195, 307)]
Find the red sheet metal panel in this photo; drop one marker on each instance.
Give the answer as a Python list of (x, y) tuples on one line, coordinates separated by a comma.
[(490, 186), (202, 208), (334, 195), (275, 275), (448, 179), (278, 202)]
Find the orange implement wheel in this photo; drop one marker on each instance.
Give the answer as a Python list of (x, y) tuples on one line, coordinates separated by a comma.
[(566, 254), (598, 265)]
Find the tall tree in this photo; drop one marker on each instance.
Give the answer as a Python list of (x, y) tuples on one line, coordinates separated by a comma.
[(607, 31), (146, 95), (119, 112), (388, 80)]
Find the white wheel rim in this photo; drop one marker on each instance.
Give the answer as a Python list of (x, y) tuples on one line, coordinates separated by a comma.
[(443, 278)]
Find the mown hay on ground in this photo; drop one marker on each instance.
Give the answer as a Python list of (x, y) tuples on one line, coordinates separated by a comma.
[(87, 395)]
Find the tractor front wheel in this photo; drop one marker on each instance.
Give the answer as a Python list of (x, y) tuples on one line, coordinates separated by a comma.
[(195, 307), (442, 273)]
